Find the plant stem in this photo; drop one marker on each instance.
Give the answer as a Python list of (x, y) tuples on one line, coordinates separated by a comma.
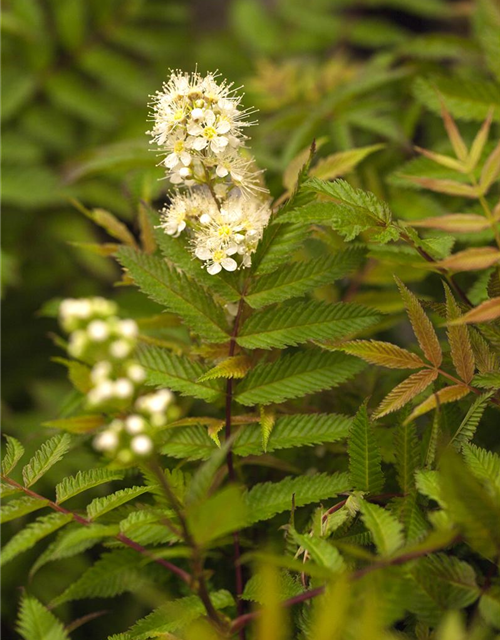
[(242, 621), (184, 575), (230, 465), (198, 583)]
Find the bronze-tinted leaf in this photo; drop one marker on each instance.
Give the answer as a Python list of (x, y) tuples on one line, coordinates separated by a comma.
[(383, 353), (443, 396), (422, 326), (454, 223), (406, 391), (485, 312), (474, 259), (460, 344)]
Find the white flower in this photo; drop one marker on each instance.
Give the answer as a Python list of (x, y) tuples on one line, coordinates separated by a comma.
[(141, 445), (120, 349), (209, 132), (135, 424), (101, 371), (98, 330), (105, 441), (136, 373), (188, 207), (179, 153), (128, 328), (123, 388)]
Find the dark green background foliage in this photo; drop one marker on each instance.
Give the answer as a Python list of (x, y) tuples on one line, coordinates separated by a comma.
[(76, 79)]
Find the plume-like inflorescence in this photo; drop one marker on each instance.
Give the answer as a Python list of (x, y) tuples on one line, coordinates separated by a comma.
[(198, 126)]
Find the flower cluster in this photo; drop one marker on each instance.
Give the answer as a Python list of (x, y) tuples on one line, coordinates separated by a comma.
[(107, 343), (199, 127)]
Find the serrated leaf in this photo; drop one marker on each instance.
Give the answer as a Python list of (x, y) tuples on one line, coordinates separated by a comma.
[(358, 200), (440, 583), (218, 515), (339, 164), (49, 453), (467, 99), (428, 484), (485, 312), (177, 292), (13, 453), (321, 551), (473, 509), (485, 465), (454, 223), (77, 424), (288, 587), (474, 259), (35, 622), (232, 367), (364, 455), (438, 398), (386, 530), (99, 506), (406, 391), (384, 354), (267, 422), (203, 479), (32, 533), (301, 277), (489, 380), (407, 455), (267, 499), (449, 187), (491, 170), (114, 573), (298, 322), (20, 507), (73, 485), (422, 326), (164, 369), (278, 244), (116, 228), (295, 376), (465, 432), (289, 431), (460, 345), (176, 615)]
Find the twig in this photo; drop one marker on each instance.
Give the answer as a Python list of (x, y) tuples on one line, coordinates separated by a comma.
[(183, 575), (242, 621)]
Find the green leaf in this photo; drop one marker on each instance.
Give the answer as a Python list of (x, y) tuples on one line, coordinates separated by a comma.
[(489, 606), (218, 515), (321, 551), (73, 485), (199, 486), (298, 322), (267, 422), (14, 452), (35, 622), (49, 453), (428, 484), (296, 376), (343, 162), (466, 99), (176, 615), (114, 573), (289, 431), (406, 447), (99, 506), (470, 506), (177, 292), (440, 582), (278, 243), (32, 533), (364, 455), (71, 542), (301, 277), (164, 369), (20, 507), (386, 530), (485, 465), (267, 499), (468, 426), (287, 588)]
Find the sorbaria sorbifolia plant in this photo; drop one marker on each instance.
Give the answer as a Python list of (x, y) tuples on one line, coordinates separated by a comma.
[(387, 523)]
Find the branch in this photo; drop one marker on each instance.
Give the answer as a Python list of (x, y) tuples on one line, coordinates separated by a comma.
[(230, 465), (183, 575), (242, 621)]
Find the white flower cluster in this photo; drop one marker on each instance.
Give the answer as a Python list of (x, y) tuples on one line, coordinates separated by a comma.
[(198, 125), (107, 343), (133, 436)]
